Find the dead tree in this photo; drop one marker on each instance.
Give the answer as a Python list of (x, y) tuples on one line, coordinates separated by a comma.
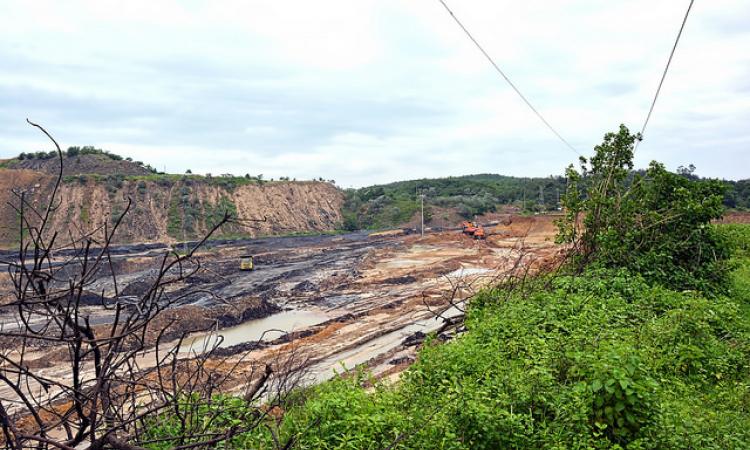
[(114, 380)]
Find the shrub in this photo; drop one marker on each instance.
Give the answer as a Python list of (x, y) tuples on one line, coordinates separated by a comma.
[(141, 186), (656, 224)]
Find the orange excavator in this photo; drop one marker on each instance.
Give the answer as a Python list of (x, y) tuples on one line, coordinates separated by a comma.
[(473, 230), (468, 227)]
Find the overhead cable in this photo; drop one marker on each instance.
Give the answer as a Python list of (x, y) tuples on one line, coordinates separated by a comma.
[(664, 74), (500, 71)]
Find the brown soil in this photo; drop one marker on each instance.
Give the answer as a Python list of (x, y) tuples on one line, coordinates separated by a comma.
[(286, 206), (736, 217)]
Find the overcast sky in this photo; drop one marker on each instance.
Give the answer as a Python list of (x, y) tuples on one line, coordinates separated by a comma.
[(373, 91)]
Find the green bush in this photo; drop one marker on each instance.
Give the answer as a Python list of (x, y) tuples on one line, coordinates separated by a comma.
[(142, 188), (737, 236), (657, 224)]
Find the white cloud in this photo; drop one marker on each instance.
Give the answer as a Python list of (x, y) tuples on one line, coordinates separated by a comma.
[(372, 91)]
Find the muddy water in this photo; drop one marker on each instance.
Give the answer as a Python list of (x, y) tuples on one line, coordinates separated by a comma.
[(266, 329)]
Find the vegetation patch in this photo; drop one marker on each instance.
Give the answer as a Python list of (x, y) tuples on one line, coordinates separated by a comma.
[(187, 216), (393, 204), (656, 224)]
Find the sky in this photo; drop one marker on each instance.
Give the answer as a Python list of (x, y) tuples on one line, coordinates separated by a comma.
[(374, 91)]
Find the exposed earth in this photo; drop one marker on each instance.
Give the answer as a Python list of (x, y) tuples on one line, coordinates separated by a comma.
[(333, 301)]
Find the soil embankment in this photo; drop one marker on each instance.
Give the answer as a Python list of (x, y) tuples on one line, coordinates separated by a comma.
[(736, 217), (171, 208)]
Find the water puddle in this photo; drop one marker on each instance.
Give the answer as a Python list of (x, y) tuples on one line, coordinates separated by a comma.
[(468, 271), (266, 329)]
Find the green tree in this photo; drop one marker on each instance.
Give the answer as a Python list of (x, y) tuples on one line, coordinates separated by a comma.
[(657, 224)]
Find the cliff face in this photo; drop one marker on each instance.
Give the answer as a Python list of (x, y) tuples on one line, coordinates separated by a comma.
[(170, 208)]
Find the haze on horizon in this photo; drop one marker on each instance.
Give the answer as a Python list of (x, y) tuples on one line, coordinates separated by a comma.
[(374, 91)]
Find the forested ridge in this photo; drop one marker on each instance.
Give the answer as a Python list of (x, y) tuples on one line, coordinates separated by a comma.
[(393, 204)]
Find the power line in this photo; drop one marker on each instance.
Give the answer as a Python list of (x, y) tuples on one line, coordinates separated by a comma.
[(500, 71), (666, 68)]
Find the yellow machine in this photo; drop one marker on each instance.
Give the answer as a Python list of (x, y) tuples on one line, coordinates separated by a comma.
[(247, 262)]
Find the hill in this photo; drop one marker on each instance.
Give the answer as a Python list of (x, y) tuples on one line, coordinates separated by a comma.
[(449, 200), (169, 208), (77, 161)]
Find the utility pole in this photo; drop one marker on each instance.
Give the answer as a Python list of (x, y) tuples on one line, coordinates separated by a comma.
[(422, 199), (184, 239), (541, 196)]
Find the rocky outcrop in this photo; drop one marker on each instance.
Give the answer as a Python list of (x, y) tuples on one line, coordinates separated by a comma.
[(169, 208)]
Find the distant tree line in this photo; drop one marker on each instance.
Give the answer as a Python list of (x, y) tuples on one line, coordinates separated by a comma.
[(392, 204), (73, 152), (736, 193), (76, 151)]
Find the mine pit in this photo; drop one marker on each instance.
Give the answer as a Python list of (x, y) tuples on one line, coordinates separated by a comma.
[(337, 301)]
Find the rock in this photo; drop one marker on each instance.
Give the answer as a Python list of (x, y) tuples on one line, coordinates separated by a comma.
[(401, 360), (415, 339), (305, 286), (406, 279), (138, 287)]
